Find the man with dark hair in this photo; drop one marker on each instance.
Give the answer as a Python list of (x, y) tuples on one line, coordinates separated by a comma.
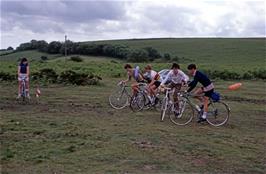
[(206, 89), (137, 76), (177, 78)]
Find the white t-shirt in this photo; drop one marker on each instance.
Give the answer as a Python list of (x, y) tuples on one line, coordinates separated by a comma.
[(152, 75), (176, 78)]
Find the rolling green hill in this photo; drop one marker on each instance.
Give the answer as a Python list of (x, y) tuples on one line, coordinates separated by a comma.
[(228, 53), (31, 55), (235, 55)]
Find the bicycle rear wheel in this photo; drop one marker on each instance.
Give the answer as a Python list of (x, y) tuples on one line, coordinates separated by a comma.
[(118, 99), (137, 102), (186, 113), (218, 113)]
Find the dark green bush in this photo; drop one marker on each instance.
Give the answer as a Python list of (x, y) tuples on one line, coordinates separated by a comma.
[(75, 78), (47, 74), (44, 58), (7, 76), (76, 59)]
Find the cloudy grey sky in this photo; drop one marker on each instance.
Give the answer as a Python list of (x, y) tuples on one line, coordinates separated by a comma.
[(85, 20)]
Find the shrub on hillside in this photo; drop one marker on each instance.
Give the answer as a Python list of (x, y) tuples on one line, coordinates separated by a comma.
[(44, 58), (76, 59), (46, 74), (7, 76), (167, 56), (138, 56), (76, 78), (152, 53)]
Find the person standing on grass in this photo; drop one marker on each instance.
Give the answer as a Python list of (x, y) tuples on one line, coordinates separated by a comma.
[(207, 88), (23, 73)]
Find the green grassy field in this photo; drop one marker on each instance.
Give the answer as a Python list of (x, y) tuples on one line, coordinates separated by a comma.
[(74, 130), (237, 55), (231, 54)]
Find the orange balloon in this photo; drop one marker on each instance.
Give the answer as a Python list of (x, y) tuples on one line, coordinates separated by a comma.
[(235, 86)]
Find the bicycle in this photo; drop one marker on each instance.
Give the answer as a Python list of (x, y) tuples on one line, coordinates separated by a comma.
[(218, 111), (140, 99), (167, 104), (120, 98), (23, 92)]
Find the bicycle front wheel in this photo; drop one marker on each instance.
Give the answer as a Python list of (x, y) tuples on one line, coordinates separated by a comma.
[(137, 102), (118, 99), (183, 115), (218, 113)]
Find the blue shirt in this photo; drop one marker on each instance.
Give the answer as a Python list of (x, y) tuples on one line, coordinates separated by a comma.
[(199, 77), (23, 68)]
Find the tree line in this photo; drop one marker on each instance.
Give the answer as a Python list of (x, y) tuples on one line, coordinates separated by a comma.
[(95, 49)]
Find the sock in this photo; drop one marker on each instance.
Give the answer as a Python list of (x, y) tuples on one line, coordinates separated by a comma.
[(204, 115), (150, 98)]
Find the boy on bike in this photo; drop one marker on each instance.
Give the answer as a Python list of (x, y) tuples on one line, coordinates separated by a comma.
[(177, 78), (154, 80), (23, 73), (207, 88), (137, 76)]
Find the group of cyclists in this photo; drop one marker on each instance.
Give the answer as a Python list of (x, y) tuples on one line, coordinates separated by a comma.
[(175, 79)]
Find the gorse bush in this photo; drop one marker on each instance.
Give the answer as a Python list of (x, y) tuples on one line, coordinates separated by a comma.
[(75, 78), (76, 59), (7, 76), (48, 75)]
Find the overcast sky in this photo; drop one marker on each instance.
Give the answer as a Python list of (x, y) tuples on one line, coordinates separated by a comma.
[(50, 20)]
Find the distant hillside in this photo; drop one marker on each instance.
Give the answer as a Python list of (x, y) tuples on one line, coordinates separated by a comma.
[(235, 51), (210, 53)]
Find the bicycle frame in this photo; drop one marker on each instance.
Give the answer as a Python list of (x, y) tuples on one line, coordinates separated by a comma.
[(124, 90), (166, 99), (23, 88), (194, 106)]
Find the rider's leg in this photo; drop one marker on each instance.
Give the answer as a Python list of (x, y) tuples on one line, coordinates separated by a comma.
[(27, 85), (19, 88), (153, 90), (134, 87), (198, 92), (175, 95), (205, 110)]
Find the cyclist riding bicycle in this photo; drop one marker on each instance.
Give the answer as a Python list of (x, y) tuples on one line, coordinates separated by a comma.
[(177, 79), (137, 76), (154, 81), (207, 89), (23, 73)]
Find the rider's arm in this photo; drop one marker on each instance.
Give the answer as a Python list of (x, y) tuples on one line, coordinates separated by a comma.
[(156, 77), (18, 70), (28, 71), (128, 78), (192, 85), (166, 78), (185, 78)]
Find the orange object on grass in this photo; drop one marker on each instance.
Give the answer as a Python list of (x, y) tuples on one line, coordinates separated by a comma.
[(235, 86)]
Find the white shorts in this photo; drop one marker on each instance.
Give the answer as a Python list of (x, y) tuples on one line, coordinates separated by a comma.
[(23, 76)]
